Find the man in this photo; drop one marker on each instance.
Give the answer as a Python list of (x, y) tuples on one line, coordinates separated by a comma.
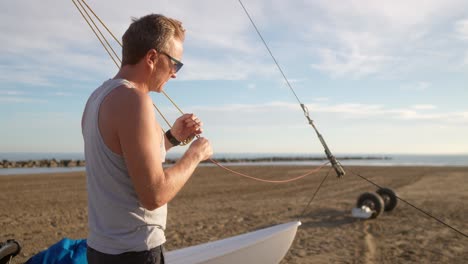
[(128, 189)]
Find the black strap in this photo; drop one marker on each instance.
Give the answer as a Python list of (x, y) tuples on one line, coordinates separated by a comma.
[(171, 138)]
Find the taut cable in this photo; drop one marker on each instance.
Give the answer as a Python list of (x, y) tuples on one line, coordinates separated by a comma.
[(102, 23), (270, 181), (102, 35), (336, 165), (95, 33), (315, 193)]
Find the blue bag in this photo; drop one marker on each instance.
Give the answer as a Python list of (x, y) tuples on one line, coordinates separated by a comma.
[(66, 251)]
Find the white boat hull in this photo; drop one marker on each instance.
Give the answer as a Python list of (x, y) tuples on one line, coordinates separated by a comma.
[(268, 245)]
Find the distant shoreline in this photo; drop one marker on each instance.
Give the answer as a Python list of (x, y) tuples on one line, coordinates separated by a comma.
[(70, 163), (282, 159)]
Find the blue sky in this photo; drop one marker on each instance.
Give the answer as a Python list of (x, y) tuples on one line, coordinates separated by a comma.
[(377, 76)]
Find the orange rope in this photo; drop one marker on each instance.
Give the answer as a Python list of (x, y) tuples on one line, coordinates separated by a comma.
[(316, 170)]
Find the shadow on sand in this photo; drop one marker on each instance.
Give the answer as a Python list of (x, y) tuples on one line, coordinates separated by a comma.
[(327, 217)]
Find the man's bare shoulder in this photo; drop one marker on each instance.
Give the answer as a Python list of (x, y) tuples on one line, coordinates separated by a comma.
[(124, 99)]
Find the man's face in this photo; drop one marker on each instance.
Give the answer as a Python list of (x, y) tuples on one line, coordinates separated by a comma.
[(167, 66)]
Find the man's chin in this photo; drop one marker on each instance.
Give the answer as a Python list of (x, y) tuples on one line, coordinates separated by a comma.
[(158, 89)]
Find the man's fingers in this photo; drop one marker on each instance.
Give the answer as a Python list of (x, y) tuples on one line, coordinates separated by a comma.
[(195, 125), (191, 122), (186, 117), (191, 118)]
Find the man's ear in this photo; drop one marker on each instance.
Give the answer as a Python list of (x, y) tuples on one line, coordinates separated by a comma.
[(152, 56)]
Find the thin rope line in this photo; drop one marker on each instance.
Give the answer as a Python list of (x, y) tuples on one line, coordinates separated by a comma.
[(415, 207), (315, 193), (339, 170), (172, 101), (102, 43), (160, 113), (102, 35), (102, 23), (269, 51), (269, 181)]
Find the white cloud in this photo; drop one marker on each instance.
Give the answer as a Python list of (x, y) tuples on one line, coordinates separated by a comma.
[(62, 45), (418, 86), (465, 61), (321, 99), (297, 80), (346, 111), (265, 107), (457, 118), (228, 69), (48, 45), (361, 38), (11, 92), (24, 74), (62, 94), (354, 64), (16, 99), (349, 39), (423, 107), (461, 28)]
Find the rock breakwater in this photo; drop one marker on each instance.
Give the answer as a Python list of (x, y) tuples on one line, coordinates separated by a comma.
[(43, 163), (54, 163)]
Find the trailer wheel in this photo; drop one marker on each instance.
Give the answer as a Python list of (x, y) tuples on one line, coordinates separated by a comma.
[(389, 197), (8, 250), (373, 201)]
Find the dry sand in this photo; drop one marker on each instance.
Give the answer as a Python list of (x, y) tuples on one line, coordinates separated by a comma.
[(39, 210)]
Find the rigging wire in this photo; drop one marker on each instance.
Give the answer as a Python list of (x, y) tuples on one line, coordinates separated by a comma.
[(315, 193), (269, 51), (316, 170), (271, 181), (94, 31), (335, 164), (410, 204), (102, 35), (102, 23)]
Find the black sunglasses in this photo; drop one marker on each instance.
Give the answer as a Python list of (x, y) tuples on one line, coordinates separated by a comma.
[(177, 64)]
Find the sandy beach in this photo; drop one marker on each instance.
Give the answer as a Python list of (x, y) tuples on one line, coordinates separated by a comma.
[(40, 210)]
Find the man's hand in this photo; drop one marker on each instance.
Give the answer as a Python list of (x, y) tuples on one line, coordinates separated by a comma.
[(186, 126), (201, 148)]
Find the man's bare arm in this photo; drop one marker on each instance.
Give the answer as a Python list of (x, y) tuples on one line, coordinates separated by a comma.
[(140, 140)]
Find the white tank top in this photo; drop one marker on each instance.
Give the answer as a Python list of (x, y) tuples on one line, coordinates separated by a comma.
[(116, 220)]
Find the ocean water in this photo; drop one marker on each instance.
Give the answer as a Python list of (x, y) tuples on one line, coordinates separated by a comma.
[(377, 160)]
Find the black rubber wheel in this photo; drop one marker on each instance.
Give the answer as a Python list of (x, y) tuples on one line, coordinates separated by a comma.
[(8, 250), (373, 201), (389, 197)]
